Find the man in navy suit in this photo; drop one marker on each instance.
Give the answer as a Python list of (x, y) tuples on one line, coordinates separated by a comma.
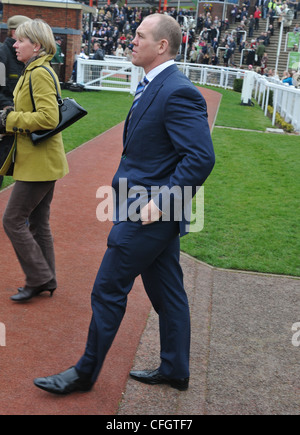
[(167, 149)]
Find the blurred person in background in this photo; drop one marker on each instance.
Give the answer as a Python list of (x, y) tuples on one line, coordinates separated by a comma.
[(13, 67)]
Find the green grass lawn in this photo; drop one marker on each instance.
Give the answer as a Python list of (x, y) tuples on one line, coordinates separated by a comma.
[(251, 209), (105, 110), (251, 206), (232, 114)]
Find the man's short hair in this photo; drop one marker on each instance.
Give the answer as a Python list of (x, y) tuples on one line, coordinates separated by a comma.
[(168, 28)]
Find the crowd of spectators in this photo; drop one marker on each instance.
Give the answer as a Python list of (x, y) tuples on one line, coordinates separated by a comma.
[(218, 43), (223, 43), (114, 28), (211, 41)]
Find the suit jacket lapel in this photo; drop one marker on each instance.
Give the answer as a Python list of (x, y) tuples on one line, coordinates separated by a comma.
[(145, 101)]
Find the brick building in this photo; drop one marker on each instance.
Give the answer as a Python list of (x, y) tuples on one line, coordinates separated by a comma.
[(64, 16)]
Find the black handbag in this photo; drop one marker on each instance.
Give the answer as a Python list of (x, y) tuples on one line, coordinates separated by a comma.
[(69, 112)]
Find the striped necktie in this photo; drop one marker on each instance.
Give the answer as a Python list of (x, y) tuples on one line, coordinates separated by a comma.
[(139, 92)]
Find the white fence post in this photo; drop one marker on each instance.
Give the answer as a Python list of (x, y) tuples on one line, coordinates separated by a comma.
[(247, 90), (135, 78)]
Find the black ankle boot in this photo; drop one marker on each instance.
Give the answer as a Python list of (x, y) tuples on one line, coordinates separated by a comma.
[(26, 293)]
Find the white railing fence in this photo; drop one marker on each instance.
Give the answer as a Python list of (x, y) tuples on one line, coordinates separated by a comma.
[(211, 75), (286, 99), (122, 76)]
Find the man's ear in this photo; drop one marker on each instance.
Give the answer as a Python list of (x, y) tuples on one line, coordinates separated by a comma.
[(163, 46)]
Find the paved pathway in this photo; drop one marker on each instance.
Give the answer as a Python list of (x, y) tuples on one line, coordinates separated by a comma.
[(243, 361)]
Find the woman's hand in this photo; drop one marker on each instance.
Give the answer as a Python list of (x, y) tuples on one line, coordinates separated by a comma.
[(3, 115)]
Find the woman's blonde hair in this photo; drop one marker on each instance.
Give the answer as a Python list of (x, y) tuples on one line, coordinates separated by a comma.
[(40, 33)]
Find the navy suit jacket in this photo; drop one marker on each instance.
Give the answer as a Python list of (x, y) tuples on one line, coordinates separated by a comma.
[(167, 146)]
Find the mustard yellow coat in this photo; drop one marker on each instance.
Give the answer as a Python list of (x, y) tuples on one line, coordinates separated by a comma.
[(47, 160)]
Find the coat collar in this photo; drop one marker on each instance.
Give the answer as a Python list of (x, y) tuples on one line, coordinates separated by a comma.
[(33, 63)]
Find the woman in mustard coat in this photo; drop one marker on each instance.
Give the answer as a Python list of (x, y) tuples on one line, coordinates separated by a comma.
[(36, 168)]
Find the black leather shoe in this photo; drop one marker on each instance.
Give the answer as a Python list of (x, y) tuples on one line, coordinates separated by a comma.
[(64, 383), (154, 378)]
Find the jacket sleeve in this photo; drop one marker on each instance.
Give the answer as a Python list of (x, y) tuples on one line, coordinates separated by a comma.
[(46, 116), (187, 126)]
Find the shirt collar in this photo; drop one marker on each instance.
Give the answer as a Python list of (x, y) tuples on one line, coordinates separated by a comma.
[(160, 68)]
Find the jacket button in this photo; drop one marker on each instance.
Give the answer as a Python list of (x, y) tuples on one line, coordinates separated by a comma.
[(15, 129), (21, 130)]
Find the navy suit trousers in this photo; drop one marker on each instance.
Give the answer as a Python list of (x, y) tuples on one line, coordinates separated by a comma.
[(153, 252)]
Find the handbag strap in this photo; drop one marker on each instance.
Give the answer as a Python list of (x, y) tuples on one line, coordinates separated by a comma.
[(58, 96)]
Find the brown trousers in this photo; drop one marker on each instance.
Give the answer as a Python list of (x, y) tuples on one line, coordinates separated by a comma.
[(26, 223)]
